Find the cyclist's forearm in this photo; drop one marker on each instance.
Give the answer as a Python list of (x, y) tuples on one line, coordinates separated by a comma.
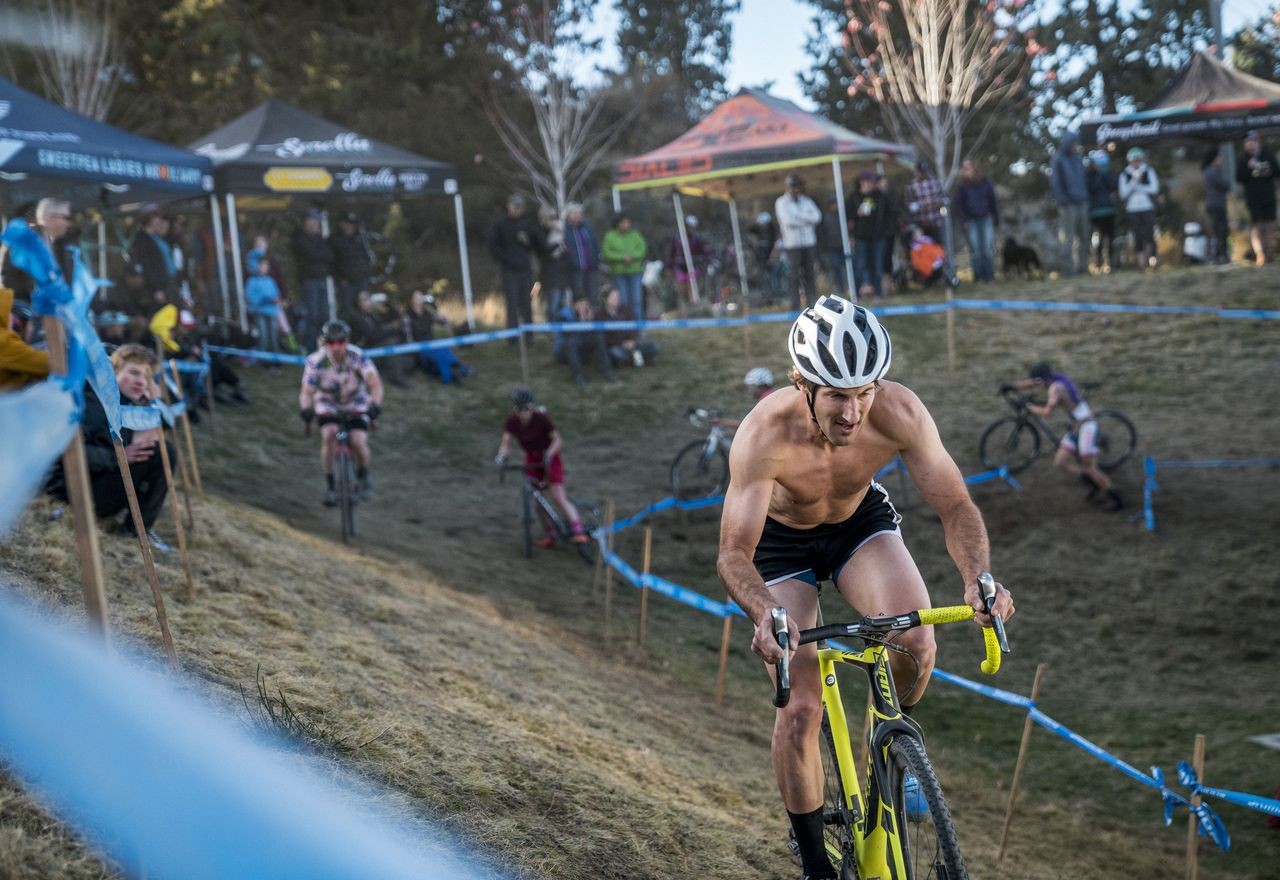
[(967, 542), (744, 584)]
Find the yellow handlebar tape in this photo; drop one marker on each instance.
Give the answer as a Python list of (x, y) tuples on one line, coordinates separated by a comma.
[(992, 664), (957, 613)]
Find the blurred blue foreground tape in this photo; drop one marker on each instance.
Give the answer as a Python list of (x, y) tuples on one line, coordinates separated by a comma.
[(167, 785)]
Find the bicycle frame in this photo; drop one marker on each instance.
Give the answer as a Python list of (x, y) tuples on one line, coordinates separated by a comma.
[(1019, 408)]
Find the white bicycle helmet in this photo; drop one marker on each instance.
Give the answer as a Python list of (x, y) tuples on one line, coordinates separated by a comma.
[(758, 376), (839, 344)]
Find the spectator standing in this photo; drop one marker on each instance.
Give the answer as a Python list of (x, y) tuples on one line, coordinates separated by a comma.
[(924, 199), (831, 245), (351, 262), (313, 260), (1216, 189), (262, 296), (1066, 178), (1256, 172), (1101, 184), (1139, 187), (625, 346), (511, 241), (152, 260), (583, 252), (891, 224), (11, 276), (798, 219), (680, 270), (979, 215), (20, 362), (869, 233), (623, 251), (555, 275)]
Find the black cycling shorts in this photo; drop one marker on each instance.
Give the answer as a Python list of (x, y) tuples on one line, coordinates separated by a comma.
[(352, 421), (818, 554)]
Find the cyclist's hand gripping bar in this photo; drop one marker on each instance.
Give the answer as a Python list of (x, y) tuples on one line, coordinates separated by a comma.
[(988, 584), (783, 693)]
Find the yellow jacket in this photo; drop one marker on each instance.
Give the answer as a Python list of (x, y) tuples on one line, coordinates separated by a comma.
[(20, 364), (162, 324)]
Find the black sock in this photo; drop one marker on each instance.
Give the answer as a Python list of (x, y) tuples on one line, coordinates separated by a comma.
[(328, 478), (361, 473), (813, 850)]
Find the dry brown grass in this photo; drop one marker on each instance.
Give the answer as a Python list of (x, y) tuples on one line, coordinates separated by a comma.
[(493, 700)]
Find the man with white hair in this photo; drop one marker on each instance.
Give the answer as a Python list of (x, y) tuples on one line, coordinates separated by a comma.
[(583, 253)]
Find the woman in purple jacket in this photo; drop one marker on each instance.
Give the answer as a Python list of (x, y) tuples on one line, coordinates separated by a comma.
[(975, 206)]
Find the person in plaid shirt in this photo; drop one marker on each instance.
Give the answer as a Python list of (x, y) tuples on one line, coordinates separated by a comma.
[(924, 198)]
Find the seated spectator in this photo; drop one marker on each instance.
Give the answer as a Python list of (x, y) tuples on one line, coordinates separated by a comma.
[(20, 362), (374, 324), (174, 329), (113, 328), (135, 368), (262, 295), (928, 258), (227, 387), (420, 320), (625, 346), (574, 347)]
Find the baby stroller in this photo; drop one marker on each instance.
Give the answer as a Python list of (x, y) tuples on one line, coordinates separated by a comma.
[(928, 260)]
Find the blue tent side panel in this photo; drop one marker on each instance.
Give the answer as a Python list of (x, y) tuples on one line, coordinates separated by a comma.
[(39, 139)]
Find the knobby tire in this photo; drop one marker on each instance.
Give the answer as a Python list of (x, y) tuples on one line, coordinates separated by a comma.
[(1117, 439), (929, 843), (694, 476), (346, 495), (1009, 442)]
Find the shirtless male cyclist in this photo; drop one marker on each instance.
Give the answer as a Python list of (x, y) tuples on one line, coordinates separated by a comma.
[(802, 508)]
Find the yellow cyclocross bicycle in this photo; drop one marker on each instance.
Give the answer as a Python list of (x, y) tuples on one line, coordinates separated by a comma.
[(872, 831)]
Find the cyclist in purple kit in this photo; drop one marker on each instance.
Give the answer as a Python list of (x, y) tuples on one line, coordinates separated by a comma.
[(1078, 452)]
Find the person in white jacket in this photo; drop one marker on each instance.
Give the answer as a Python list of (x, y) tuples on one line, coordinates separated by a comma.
[(798, 219), (1139, 187)]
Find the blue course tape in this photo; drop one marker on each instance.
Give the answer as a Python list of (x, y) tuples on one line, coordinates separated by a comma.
[(1049, 306), (170, 783), (1223, 463), (49, 418), (1097, 751), (254, 354), (683, 594), (986, 690)]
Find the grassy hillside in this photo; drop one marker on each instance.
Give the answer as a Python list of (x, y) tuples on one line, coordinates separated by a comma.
[(570, 753)]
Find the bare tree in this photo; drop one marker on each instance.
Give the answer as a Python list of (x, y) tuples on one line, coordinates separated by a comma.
[(79, 57), (934, 65), (544, 48)]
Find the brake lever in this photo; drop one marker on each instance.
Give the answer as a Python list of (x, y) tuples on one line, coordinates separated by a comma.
[(988, 585)]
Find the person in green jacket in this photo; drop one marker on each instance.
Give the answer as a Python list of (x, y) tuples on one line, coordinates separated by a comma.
[(623, 251)]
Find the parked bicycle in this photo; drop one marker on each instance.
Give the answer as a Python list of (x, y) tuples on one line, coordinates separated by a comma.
[(344, 477), (870, 829), (1014, 441), (701, 469), (536, 504)]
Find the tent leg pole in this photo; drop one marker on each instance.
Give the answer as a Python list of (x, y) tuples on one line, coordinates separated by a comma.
[(617, 201), (220, 252), (684, 244), (330, 293), (234, 224), (465, 257), (102, 242), (737, 249), (844, 229)]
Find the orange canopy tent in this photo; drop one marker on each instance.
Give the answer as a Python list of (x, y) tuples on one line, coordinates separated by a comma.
[(745, 147)]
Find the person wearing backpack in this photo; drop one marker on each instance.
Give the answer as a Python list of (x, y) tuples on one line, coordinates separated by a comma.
[(1139, 187)]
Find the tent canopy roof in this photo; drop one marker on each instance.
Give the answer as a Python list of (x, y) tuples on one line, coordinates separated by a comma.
[(746, 145), (276, 148), (1207, 100), (46, 149)]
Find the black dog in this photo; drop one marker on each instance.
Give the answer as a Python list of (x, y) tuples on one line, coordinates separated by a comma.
[(1022, 259)]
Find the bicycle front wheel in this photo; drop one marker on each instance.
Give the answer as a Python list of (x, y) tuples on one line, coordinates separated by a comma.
[(346, 495), (590, 517), (929, 844), (837, 820), (1117, 438), (694, 474), (1011, 443)]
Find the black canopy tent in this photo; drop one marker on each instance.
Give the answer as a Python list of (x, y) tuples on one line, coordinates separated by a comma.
[(1207, 101), (278, 150), (48, 150)]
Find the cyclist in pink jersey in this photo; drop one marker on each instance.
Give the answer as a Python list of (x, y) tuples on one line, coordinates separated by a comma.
[(341, 386), (539, 437)]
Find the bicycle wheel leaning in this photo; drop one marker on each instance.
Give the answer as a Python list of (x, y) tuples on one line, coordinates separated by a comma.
[(346, 475), (1009, 442), (526, 518), (929, 842), (1117, 438), (837, 820), (694, 474)]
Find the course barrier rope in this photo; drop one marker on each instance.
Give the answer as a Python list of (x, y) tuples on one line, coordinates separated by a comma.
[(1209, 823), (1150, 465), (1002, 305)]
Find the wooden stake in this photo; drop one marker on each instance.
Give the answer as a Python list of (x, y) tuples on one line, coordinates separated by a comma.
[(644, 582), (145, 543), (75, 469), (186, 429), (600, 563), (951, 331), (746, 330), (1197, 764), (723, 672), (1022, 757), (184, 477), (177, 518)]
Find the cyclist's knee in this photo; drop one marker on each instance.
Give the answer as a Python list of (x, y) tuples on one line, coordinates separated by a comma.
[(921, 644), (800, 720)]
